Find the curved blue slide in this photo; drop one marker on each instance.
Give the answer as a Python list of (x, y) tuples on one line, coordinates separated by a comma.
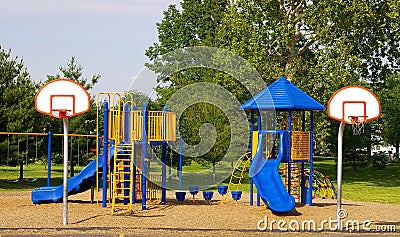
[(77, 184), (265, 174)]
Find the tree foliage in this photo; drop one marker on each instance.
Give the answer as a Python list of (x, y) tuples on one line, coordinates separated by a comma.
[(391, 111), (320, 46), (82, 124), (18, 114), (17, 92)]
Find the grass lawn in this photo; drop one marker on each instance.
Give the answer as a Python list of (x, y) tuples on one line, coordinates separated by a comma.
[(37, 172), (366, 184)]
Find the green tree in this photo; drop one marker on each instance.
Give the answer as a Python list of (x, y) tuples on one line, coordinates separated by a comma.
[(391, 111), (138, 98), (195, 25), (17, 111), (74, 72), (320, 46), (82, 124)]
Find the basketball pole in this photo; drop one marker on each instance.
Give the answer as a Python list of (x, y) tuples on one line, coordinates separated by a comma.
[(339, 175), (65, 195)]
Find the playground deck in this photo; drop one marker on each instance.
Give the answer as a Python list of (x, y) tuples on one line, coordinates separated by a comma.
[(20, 217)]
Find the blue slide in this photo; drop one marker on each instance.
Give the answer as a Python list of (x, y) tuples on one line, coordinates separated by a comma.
[(266, 177), (77, 184)]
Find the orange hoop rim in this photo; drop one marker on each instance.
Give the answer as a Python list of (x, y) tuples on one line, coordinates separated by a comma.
[(356, 120), (62, 113)]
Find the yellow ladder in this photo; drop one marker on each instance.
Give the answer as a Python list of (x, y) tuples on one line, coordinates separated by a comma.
[(237, 173), (122, 177)]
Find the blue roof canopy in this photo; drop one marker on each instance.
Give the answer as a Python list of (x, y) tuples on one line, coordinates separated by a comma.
[(282, 95)]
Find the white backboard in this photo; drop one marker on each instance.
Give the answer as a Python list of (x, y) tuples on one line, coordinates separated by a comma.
[(62, 95), (354, 101)]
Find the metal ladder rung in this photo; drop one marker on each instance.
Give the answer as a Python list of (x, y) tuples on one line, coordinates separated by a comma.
[(121, 188), (122, 172), (122, 197)]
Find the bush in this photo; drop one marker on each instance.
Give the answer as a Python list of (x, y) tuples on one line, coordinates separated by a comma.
[(355, 159), (379, 160)]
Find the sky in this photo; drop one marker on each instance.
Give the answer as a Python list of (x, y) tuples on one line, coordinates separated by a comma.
[(108, 37)]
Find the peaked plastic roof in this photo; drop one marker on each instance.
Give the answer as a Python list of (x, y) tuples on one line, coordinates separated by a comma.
[(282, 95)]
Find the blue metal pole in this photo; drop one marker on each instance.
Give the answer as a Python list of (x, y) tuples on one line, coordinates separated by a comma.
[(144, 154), (180, 162), (289, 171), (251, 155), (309, 191), (164, 160), (105, 155), (259, 126), (97, 157), (303, 181), (164, 174), (49, 138)]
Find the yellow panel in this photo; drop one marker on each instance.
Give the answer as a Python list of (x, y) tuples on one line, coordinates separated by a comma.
[(155, 124), (254, 144), (136, 125), (300, 146)]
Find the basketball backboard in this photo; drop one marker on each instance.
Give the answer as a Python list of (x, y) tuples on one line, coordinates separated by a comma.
[(62, 98), (354, 104)]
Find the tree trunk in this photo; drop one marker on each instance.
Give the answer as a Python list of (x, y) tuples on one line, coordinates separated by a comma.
[(71, 162), (354, 159), (21, 170), (213, 172), (288, 70), (369, 151)]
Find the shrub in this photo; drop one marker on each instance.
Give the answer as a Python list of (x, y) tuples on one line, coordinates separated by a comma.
[(379, 160)]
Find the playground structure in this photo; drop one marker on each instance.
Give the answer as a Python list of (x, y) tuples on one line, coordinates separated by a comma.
[(269, 147), (120, 171), (127, 133), (353, 105)]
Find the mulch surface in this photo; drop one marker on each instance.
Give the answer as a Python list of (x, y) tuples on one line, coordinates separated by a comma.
[(19, 216)]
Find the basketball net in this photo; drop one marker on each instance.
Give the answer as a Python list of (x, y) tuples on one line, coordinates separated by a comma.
[(357, 125)]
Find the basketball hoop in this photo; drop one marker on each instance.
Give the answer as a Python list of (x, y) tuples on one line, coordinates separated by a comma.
[(63, 98), (61, 113), (357, 124), (346, 105)]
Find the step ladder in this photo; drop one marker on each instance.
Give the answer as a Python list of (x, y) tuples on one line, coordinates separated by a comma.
[(122, 195)]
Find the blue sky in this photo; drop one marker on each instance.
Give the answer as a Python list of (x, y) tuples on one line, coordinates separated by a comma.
[(105, 36)]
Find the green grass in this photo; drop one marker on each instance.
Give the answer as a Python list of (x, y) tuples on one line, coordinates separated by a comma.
[(33, 171), (366, 184)]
